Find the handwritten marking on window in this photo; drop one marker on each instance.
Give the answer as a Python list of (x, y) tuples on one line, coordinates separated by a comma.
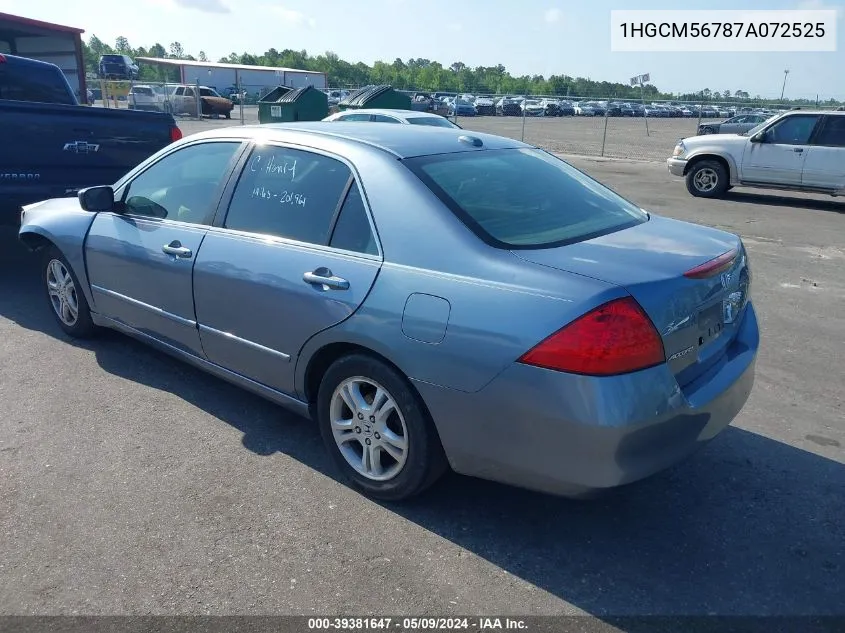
[(273, 167), (285, 197)]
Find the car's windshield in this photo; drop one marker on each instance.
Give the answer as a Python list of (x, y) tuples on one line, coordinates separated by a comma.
[(113, 58), (434, 121), (524, 198), (208, 92)]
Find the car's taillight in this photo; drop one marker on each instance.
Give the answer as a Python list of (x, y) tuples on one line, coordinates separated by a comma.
[(714, 266), (614, 338), (175, 134)]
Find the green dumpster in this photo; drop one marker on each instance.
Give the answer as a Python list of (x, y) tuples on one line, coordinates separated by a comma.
[(376, 97), (285, 104)]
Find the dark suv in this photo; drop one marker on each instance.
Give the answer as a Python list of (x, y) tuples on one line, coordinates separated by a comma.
[(118, 67)]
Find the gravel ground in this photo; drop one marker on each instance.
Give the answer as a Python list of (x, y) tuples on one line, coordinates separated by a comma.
[(133, 484)]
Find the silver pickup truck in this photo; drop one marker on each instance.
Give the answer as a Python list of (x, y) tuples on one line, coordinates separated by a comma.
[(800, 150)]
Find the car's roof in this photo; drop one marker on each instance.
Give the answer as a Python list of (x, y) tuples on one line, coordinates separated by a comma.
[(403, 141), (394, 112)]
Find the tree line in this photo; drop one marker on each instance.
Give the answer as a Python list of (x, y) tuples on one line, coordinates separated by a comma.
[(413, 74)]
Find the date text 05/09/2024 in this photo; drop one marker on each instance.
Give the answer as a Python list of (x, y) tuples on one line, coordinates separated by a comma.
[(408, 624)]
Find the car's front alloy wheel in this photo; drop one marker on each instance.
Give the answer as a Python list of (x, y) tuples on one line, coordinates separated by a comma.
[(377, 429), (65, 296)]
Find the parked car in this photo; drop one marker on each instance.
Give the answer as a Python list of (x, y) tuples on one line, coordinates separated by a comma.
[(118, 67), (509, 106), (463, 108), (374, 115), (53, 146), (532, 107), (485, 106), (143, 97), (802, 150), (551, 107), (567, 108), (734, 125), (184, 101), (584, 108), (512, 297)]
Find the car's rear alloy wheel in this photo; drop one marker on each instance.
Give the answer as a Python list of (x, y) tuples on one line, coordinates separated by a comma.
[(377, 430), (65, 296), (707, 179)]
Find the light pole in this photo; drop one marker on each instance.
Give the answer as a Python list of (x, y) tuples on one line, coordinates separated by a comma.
[(783, 89)]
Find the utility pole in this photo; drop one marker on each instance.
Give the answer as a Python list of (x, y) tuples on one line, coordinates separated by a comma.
[(783, 89)]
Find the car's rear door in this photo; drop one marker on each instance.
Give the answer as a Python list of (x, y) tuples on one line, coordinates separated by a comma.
[(140, 260), (295, 254), (824, 165)]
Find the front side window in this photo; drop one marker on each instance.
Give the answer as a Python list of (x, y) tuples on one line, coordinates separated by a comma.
[(288, 193), (524, 198), (793, 130), (182, 186)]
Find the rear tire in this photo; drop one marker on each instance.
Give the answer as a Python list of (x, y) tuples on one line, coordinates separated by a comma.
[(377, 430), (707, 179)]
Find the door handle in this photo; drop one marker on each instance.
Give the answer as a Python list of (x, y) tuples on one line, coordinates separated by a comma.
[(324, 277), (798, 149), (176, 249)]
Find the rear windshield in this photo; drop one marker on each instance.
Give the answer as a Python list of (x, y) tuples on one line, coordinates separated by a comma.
[(114, 58), (524, 198), (142, 91), (431, 120)]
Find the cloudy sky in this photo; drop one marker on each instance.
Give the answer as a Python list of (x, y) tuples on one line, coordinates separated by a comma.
[(546, 37)]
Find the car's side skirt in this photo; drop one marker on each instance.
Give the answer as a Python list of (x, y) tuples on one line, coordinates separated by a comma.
[(768, 185), (282, 399)]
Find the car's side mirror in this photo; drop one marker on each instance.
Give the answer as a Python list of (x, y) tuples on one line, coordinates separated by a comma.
[(96, 199), (760, 137)]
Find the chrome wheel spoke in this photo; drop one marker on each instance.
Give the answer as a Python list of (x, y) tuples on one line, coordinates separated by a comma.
[(351, 394), (382, 407)]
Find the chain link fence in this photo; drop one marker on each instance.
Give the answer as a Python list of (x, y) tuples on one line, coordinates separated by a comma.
[(605, 127), (572, 125)]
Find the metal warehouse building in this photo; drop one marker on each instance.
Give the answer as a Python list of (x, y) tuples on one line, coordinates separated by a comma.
[(54, 43), (221, 76)]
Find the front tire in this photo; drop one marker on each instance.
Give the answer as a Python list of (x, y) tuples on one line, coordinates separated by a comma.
[(707, 179), (64, 295), (377, 430)]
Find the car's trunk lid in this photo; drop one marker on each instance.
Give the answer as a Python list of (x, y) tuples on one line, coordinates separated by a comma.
[(697, 318)]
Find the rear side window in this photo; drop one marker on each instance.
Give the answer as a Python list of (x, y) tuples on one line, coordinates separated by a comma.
[(33, 82), (524, 198), (352, 231), (833, 132), (288, 193)]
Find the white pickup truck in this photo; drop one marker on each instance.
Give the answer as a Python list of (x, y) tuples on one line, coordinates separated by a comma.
[(801, 150)]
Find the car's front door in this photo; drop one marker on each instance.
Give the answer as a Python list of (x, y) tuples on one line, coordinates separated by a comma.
[(295, 254), (779, 157), (824, 166), (140, 258)]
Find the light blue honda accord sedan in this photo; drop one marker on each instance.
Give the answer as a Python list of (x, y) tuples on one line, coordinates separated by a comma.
[(432, 298)]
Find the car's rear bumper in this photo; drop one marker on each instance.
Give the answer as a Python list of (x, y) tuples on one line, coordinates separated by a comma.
[(567, 434), (676, 166)]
